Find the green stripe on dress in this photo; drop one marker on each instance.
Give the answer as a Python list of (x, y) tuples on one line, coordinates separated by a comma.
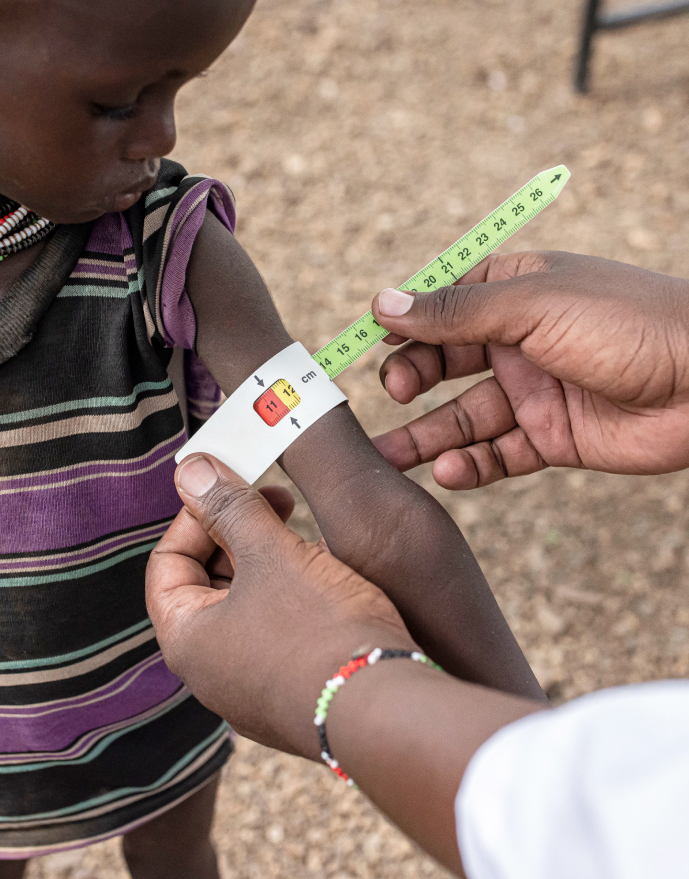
[(76, 654), (14, 582), (92, 290), (126, 791), (88, 403)]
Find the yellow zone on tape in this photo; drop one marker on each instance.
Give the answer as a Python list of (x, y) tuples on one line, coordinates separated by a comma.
[(276, 402)]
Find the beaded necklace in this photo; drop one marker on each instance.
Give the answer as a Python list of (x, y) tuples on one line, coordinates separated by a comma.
[(20, 228)]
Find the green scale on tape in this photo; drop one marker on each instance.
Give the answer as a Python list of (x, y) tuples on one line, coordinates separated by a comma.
[(455, 262)]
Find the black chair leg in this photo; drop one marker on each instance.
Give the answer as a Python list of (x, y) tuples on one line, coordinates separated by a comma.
[(590, 26)]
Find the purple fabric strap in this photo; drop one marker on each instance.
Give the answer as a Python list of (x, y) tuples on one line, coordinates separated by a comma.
[(179, 320)]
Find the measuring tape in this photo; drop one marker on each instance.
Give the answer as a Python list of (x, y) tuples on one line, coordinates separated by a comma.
[(288, 394), (455, 262)]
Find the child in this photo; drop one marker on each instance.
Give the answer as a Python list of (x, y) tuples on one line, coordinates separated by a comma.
[(97, 737)]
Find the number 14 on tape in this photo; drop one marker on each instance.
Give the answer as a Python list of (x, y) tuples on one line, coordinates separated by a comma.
[(455, 262)]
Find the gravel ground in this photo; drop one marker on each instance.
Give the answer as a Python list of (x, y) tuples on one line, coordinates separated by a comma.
[(362, 138)]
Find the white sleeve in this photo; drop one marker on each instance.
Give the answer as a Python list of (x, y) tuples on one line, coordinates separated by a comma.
[(597, 789)]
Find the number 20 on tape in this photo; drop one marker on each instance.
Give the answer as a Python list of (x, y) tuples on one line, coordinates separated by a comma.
[(277, 402)]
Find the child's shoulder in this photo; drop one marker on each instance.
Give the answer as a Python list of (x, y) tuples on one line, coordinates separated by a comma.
[(177, 202), (160, 230)]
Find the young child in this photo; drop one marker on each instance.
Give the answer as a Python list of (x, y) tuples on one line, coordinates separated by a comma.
[(121, 259)]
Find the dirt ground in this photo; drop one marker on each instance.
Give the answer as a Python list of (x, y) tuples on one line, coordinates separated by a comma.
[(361, 138)]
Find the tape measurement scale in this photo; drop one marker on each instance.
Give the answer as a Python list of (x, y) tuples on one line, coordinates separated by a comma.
[(277, 402), (455, 262)]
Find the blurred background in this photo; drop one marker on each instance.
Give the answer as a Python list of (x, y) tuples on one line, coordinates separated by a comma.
[(361, 138)]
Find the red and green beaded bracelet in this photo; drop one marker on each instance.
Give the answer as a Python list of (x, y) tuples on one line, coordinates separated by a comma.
[(338, 680)]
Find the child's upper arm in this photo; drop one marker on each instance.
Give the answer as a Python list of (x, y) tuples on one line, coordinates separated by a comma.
[(238, 327)]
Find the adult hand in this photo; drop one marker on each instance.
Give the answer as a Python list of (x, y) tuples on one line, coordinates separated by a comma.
[(257, 629), (254, 620), (590, 363)]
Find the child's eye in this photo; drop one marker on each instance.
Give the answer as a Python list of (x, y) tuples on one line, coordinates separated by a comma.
[(127, 111)]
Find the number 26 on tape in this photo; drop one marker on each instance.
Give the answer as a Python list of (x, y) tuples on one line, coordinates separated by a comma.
[(277, 402)]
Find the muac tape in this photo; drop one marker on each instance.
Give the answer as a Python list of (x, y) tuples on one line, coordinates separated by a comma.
[(266, 413), (293, 390), (452, 264)]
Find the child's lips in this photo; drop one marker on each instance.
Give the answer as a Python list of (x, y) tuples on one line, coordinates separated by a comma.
[(125, 200)]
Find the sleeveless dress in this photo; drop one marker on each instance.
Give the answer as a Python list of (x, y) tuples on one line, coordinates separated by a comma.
[(96, 734)]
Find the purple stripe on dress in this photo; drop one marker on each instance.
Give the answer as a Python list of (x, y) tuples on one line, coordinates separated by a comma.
[(96, 468), (85, 742), (74, 514), (104, 548), (54, 727), (223, 206), (202, 390), (106, 235), (106, 690)]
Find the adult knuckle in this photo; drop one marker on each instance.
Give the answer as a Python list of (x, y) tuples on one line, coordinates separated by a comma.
[(225, 505), (442, 306), (223, 502), (466, 432), (499, 463)]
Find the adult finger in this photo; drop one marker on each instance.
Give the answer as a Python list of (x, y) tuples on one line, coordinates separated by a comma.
[(221, 512), (476, 466), (502, 311), (220, 566), (177, 583), (416, 367), (502, 266), (480, 413), (234, 514), (393, 339)]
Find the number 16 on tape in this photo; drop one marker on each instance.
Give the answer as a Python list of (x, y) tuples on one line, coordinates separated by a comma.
[(455, 262)]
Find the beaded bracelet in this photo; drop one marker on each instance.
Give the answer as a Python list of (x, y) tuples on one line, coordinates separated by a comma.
[(338, 680)]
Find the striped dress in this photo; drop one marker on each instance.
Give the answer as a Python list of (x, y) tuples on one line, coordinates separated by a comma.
[(96, 734)]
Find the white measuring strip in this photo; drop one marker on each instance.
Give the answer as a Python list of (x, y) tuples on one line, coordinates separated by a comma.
[(240, 437)]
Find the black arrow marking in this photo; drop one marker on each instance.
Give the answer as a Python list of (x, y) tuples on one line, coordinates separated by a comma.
[(295, 422), (259, 381), (556, 177)]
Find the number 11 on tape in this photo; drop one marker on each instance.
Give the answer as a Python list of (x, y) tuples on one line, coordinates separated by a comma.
[(455, 262)]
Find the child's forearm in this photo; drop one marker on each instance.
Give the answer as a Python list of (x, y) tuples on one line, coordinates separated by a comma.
[(396, 535), (371, 516)]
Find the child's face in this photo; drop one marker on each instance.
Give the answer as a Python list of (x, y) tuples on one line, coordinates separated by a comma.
[(87, 91)]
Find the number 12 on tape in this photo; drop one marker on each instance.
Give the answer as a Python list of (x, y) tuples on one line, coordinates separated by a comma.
[(456, 261)]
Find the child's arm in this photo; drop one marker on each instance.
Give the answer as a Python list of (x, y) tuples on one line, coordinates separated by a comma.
[(372, 517)]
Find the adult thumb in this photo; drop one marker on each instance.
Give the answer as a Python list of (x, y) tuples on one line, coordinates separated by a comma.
[(235, 515), (502, 312)]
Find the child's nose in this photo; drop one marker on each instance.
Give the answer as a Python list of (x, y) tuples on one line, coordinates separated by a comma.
[(154, 136)]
